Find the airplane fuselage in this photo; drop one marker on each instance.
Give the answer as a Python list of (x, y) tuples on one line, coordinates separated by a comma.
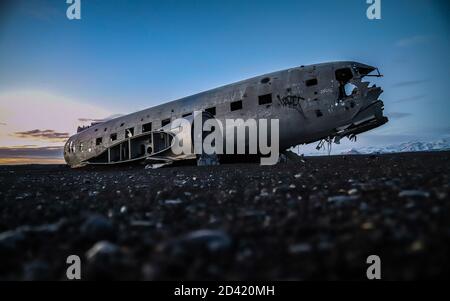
[(311, 102)]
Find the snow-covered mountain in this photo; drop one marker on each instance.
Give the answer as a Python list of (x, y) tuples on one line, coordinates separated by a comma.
[(352, 151), (413, 146)]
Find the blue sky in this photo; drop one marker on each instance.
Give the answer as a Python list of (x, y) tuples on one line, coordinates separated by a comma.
[(123, 56)]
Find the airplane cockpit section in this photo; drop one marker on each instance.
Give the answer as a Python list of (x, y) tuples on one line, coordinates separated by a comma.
[(357, 107)]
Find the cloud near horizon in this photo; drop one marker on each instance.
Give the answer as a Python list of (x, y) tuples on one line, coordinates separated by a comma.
[(99, 120), (49, 135), (90, 120)]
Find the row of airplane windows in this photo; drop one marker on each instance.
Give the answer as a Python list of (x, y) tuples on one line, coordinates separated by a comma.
[(147, 127)]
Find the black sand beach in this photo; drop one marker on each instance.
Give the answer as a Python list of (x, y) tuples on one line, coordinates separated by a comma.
[(319, 219)]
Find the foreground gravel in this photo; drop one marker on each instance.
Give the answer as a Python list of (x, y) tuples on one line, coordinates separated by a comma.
[(319, 219)]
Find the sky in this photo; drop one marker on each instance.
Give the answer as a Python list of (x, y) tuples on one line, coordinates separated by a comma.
[(123, 56)]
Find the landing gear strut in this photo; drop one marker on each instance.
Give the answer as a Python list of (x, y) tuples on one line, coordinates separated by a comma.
[(329, 143)]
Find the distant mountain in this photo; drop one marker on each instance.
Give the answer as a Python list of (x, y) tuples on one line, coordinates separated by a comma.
[(351, 152), (413, 146)]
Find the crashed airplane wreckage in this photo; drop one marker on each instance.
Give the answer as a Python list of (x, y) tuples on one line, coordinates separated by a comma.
[(324, 102)]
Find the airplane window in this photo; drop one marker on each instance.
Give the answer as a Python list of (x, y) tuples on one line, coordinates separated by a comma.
[(211, 110), (147, 127), (129, 133), (265, 99), (236, 105), (344, 74), (265, 80), (98, 141), (319, 113), (122, 124), (165, 122), (311, 82), (113, 137), (364, 70)]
